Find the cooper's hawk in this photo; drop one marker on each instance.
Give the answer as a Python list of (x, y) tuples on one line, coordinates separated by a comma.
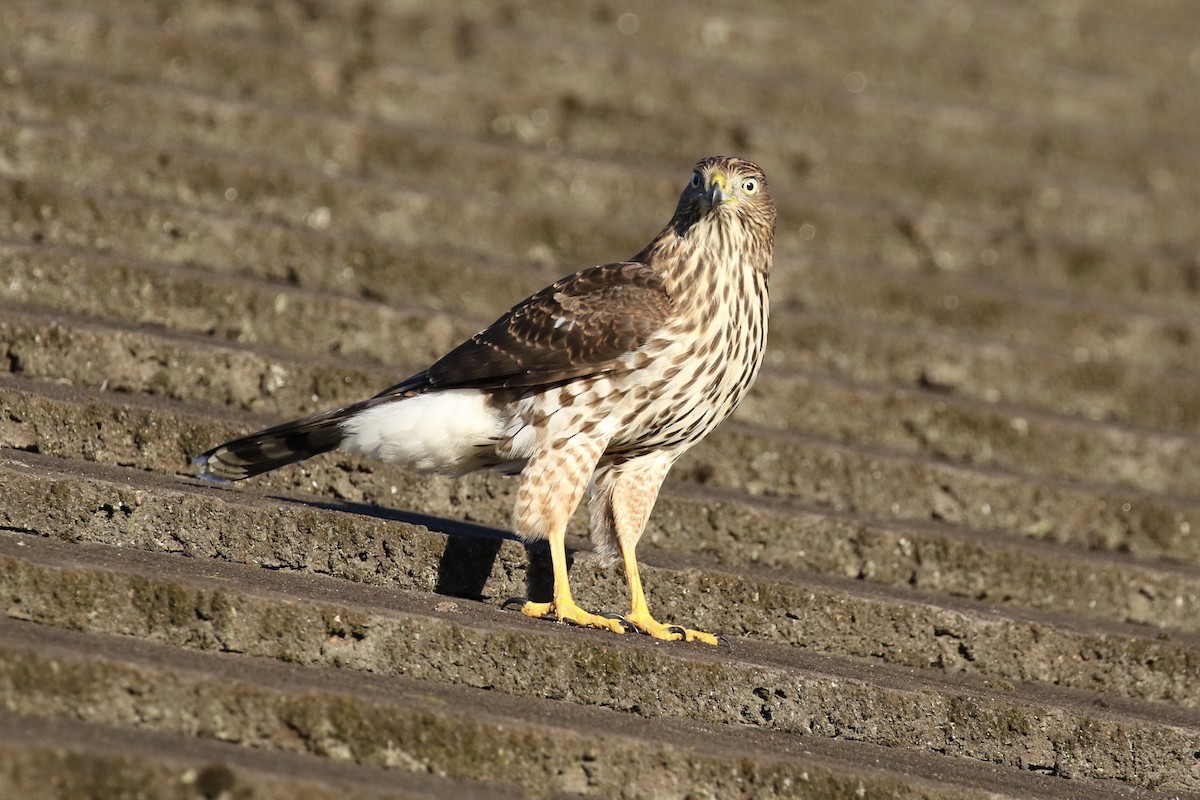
[(597, 384)]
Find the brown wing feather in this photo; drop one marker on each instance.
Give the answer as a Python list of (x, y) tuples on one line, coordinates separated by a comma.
[(575, 327)]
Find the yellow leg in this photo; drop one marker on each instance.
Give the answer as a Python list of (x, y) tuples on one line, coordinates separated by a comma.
[(640, 618), (563, 605), (552, 484), (621, 503)]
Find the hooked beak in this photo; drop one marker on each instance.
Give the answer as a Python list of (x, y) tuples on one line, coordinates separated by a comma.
[(718, 190)]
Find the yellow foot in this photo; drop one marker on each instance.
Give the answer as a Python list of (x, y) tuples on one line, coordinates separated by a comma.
[(673, 633), (570, 613)]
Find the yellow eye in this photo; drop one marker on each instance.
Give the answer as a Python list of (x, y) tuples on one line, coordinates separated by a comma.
[(750, 185), (697, 179)]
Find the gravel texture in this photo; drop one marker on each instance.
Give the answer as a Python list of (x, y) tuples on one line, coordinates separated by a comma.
[(953, 535)]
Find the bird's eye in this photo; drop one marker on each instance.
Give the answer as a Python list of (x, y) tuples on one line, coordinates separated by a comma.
[(696, 180), (750, 185)]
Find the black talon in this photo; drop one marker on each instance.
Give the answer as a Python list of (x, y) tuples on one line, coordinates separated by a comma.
[(723, 641), (517, 601), (678, 629), (626, 624)]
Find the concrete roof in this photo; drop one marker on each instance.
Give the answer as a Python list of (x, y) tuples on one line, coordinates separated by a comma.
[(953, 535)]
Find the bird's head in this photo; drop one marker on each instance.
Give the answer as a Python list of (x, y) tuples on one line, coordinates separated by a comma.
[(727, 200)]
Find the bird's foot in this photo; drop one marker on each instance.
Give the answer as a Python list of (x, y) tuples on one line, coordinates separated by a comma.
[(566, 611), (672, 633)]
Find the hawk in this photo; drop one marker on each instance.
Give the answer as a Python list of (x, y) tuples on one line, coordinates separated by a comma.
[(594, 385)]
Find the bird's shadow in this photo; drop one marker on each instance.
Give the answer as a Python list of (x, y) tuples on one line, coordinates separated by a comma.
[(470, 554)]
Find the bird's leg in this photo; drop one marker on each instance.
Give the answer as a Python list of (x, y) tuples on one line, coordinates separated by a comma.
[(552, 485), (563, 606), (640, 617), (621, 505)]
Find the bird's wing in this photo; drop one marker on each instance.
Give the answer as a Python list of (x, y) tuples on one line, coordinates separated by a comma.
[(578, 326)]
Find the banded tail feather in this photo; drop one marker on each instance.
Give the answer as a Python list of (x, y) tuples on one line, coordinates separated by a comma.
[(275, 447), (449, 432)]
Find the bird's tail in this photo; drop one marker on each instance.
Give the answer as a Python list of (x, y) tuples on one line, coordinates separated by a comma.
[(276, 447)]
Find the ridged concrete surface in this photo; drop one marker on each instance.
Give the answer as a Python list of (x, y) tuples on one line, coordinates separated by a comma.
[(954, 534)]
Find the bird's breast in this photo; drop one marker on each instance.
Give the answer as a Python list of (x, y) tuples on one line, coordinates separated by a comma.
[(689, 379)]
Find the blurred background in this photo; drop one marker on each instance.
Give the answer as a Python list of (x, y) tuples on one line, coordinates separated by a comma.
[(967, 478)]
